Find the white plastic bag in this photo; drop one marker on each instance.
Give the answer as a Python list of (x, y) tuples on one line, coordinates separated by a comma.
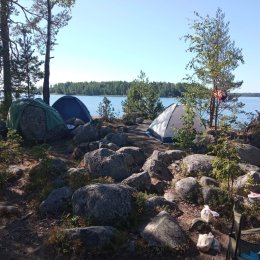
[(205, 241), (206, 212)]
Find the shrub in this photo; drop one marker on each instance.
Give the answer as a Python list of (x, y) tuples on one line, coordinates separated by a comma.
[(105, 110), (225, 165), (143, 98), (185, 135)]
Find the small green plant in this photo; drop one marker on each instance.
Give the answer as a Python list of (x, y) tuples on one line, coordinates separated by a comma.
[(10, 149), (61, 245), (139, 211), (105, 110), (71, 221), (140, 199), (40, 151), (41, 180), (106, 179), (225, 165)]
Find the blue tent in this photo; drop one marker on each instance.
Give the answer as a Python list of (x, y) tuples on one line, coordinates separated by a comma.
[(71, 107)]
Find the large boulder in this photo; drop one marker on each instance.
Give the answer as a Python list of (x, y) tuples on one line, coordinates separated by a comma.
[(188, 189), (158, 187), (249, 153), (200, 226), (57, 202), (213, 195), (120, 139), (247, 168), (105, 130), (85, 133), (157, 169), (76, 177), (51, 167), (140, 181), (105, 162), (208, 181), (168, 156), (80, 150), (107, 145), (197, 164), (248, 182), (106, 204), (136, 152), (94, 237), (163, 231)]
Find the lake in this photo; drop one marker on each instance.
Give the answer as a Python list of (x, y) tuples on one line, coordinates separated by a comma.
[(92, 102)]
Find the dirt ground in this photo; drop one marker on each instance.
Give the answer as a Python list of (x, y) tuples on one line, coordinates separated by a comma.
[(23, 233)]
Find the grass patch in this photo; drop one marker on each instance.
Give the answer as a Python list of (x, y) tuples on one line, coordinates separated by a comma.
[(41, 180)]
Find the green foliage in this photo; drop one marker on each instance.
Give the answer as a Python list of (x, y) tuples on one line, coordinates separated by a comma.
[(143, 98), (71, 221), (40, 151), (186, 134), (10, 153), (140, 199), (215, 58), (225, 165), (60, 245), (41, 180), (106, 110), (113, 88), (138, 213), (10, 149), (196, 96), (194, 99), (26, 67), (106, 179)]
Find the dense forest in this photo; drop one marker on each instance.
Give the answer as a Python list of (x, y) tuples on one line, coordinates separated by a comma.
[(120, 88), (113, 88)]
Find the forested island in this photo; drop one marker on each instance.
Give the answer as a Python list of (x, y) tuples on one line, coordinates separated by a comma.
[(120, 88)]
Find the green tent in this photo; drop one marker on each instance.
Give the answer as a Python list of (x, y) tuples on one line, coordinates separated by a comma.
[(35, 120)]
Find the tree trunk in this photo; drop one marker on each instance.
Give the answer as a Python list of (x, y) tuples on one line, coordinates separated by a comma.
[(211, 109), (46, 83), (216, 115), (213, 117), (6, 56)]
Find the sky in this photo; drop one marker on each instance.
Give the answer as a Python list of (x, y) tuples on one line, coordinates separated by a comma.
[(114, 39)]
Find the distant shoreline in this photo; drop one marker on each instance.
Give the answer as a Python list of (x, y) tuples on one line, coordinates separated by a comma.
[(101, 95)]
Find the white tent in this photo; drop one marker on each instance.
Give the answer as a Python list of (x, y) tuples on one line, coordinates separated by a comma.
[(163, 126)]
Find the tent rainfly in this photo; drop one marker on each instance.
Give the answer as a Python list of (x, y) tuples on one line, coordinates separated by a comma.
[(71, 107), (163, 127)]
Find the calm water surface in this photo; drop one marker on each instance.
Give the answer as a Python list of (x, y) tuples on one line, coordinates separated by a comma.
[(92, 102)]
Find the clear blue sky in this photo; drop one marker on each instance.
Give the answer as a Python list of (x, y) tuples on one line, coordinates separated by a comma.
[(115, 39)]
